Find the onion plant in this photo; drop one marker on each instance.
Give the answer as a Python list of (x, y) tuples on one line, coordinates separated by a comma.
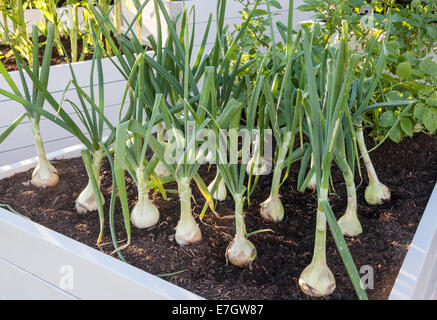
[(132, 156), (168, 61), (325, 106), (187, 230), (44, 175), (376, 192), (281, 106), (348, 222), (240, 251)]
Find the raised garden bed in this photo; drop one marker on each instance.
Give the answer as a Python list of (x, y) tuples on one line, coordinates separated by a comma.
[(417, 278), (409, 169)]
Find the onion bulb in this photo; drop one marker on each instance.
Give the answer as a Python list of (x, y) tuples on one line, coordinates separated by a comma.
[(87, 199), (187, 230), (220, 192), (317, 279), (272, 209), (376, 193), (45, 174), (144, 214), (240, 252), (312, 184)]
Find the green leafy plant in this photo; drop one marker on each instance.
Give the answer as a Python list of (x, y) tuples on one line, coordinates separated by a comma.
[(409, 71)]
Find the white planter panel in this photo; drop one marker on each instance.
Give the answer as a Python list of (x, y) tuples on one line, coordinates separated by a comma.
[(18, 284), (76, 270), (417, 279)]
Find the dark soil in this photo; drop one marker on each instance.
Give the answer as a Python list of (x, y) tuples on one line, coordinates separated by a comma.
[(8, 58), (408, 168)]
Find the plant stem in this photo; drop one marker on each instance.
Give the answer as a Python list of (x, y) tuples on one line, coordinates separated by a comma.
[(97, 161), (143, 192), (74, 20), (279, 166), (185, 198), (160, 132), (373, 178), (319, 257), (42, 157), (118, 9), (240, 226), (21, 30), (350, 184)]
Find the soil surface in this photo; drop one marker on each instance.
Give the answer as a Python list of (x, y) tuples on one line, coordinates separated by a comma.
[(409, 169), (8, 59)]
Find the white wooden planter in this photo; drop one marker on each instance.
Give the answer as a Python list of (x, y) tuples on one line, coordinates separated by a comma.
[(417, 279), (35, 261), (38, 263)]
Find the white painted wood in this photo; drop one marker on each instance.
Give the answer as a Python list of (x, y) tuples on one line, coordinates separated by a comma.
[(18, 284), (51, 257), (417, 278)]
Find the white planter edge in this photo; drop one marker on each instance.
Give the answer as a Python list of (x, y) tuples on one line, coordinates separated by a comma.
[(417, 278), (34, 260)]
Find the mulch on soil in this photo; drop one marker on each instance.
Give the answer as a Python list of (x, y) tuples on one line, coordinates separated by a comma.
[(9, 60), (409, 169)]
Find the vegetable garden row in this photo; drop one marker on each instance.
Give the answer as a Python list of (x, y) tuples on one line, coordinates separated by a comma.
[(315, 92)]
